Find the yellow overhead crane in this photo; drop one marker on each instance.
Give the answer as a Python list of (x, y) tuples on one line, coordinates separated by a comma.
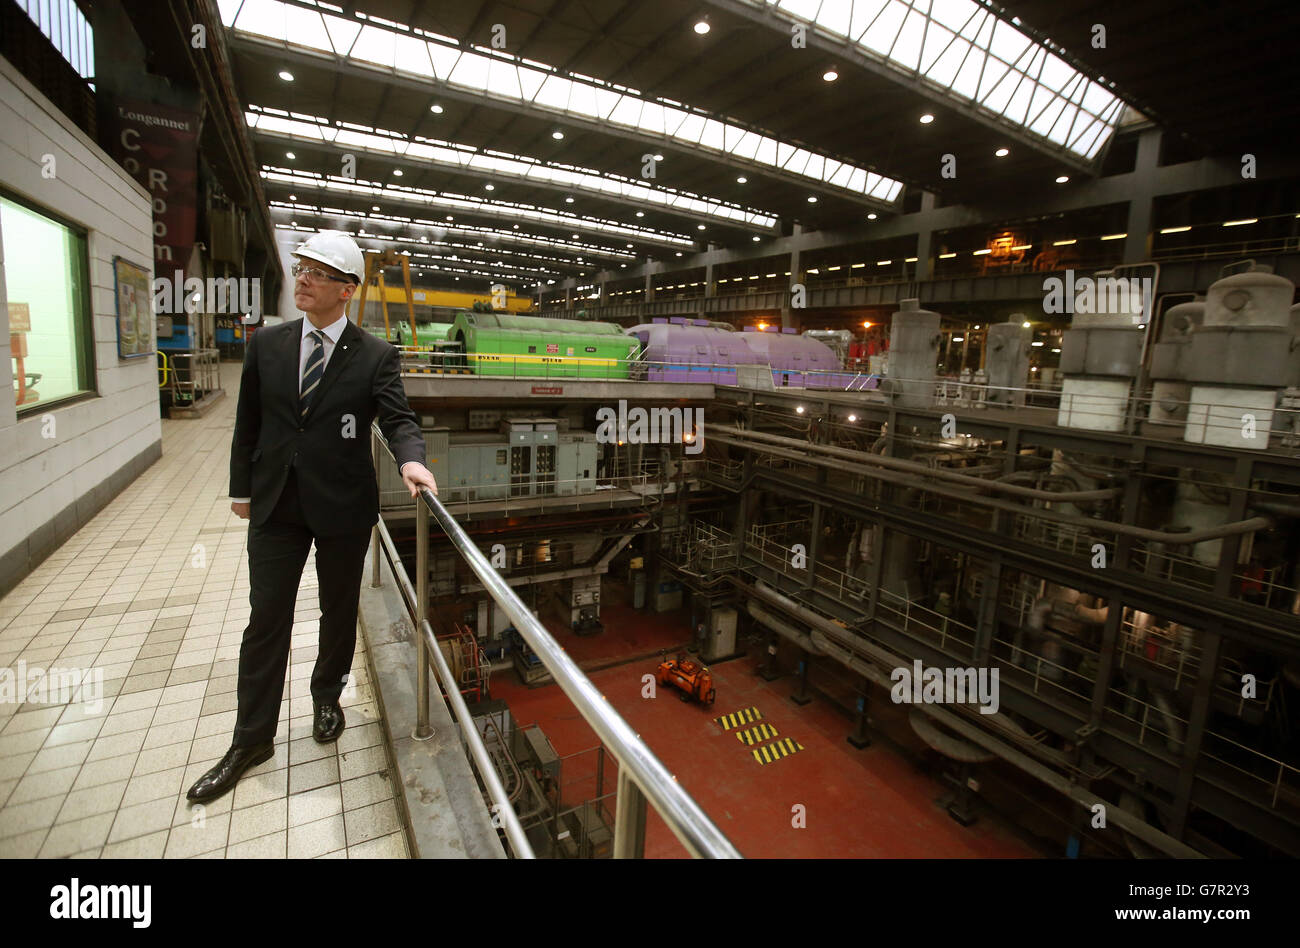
[(375, 263)]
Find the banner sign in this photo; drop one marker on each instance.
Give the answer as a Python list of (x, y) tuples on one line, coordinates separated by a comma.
[(156, 144)]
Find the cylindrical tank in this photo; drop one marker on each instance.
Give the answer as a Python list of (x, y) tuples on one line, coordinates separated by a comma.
[(913, 354), (1101, 353), (1007, 362), (1240, 360), (1170, 390), (1293, 377)]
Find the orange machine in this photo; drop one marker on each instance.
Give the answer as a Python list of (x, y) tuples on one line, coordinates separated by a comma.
[(691, 678)]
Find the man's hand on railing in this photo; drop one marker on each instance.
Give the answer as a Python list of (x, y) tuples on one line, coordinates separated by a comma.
[(415, 475)]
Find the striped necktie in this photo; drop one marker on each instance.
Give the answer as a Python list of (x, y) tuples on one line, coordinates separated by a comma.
[(312, 371)]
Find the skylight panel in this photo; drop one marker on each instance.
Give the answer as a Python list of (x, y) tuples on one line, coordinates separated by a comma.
[(954, 14), (262, 18), (479, 70), (412, 56), (627, 111), (805, 9), (884, 29), (907, 51), (963, 46)]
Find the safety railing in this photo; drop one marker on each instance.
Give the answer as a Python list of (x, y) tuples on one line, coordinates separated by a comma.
[(590, 368), (191, 375), (1047, 663), (642, 777), (1247, 423)]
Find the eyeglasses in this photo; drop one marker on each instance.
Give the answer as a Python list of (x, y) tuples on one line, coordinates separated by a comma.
[(315, 273)]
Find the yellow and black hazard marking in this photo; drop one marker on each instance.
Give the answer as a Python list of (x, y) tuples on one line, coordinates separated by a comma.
[(771, 753), (738, 718), (758, 734)]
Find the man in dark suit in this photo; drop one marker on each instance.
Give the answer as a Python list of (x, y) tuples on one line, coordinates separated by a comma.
[(300, 471)]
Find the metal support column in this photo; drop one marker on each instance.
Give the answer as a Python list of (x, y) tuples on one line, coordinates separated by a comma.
[(629, 819), (375, 548), (924, 256), (800, 697), (1137, 243), (813, 553), (1231, 546), (861, 737)]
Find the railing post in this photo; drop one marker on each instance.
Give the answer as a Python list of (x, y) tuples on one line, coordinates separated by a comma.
[(629, 818), (375, 550), (422, 729)]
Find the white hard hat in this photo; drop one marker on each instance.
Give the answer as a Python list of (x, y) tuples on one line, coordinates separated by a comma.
[(337, 249)]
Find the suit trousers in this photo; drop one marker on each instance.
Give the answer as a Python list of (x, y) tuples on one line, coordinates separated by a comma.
[(277, 552)]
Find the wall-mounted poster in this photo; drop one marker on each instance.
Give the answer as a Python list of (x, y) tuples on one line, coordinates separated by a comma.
[(134, 309)]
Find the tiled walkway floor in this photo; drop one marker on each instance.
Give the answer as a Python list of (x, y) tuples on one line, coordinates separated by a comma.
[(148, 603)]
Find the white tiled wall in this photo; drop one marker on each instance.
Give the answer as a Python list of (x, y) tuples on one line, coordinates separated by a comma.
[(40, 476)]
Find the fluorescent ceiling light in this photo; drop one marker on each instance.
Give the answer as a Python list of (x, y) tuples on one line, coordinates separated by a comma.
[(328, 185), (466, 159)]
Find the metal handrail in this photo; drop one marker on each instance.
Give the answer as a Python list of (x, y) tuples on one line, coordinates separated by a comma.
[(428, 647), (642, 776)]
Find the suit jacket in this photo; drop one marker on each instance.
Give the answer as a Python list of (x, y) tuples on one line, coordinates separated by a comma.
[(329, 447)]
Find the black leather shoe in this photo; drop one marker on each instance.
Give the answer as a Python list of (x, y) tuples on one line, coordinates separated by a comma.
[(223, 777), (327, 724)]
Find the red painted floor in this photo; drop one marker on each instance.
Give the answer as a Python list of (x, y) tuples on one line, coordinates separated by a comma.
[(628, 632), (856, 803)]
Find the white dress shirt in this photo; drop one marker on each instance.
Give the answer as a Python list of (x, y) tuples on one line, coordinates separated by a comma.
[(307, 345)]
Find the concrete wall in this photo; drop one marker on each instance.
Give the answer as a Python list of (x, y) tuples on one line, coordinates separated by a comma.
[(50, 486)]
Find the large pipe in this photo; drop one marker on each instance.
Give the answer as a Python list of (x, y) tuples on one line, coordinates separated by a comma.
[(911, 467), (1142, 533), (802, 639), (845, 654)]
